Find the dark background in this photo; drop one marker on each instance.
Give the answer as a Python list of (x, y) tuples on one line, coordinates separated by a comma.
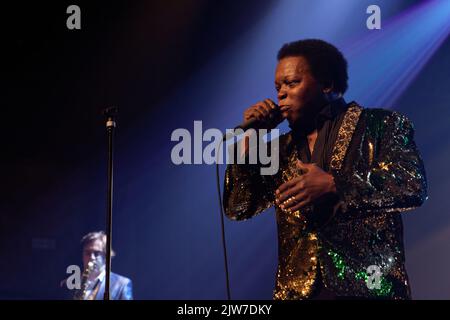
[(130, 54), (134, 55)]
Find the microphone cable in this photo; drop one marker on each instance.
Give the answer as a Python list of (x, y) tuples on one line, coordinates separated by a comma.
[(222, 223)]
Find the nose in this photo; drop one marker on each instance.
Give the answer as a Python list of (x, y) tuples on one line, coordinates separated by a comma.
[(282, 94)]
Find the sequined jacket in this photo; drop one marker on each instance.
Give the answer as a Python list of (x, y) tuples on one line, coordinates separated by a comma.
[(378, 173)]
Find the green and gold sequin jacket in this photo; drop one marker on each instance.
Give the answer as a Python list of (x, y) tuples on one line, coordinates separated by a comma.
[(378, 174)]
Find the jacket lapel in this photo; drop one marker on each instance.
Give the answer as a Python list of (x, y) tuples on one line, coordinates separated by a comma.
[(101, 290), (345, 135)]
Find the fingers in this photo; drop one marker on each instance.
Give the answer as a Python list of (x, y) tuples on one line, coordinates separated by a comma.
[(285, 186), (299, 205), (253, 112), (295, 202), (263, 109), (294, 191), (260, 110), (292, 195), (294, 198), (300, 164), (304, 167), (281, 191), (272, 104)]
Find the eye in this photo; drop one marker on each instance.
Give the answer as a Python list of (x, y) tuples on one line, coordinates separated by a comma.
[(293, 83)]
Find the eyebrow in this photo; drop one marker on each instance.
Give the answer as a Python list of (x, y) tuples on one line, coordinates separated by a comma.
[(286, 78)]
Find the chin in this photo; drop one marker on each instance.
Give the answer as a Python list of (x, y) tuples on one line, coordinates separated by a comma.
[(292, 118)]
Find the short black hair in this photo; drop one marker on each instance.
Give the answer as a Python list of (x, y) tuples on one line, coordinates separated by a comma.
[(327, 63), (93, 236)]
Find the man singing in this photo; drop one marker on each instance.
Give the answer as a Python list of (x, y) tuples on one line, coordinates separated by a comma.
[(346, 172)]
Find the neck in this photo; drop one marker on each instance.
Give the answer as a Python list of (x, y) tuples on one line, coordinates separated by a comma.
[(306, 124)]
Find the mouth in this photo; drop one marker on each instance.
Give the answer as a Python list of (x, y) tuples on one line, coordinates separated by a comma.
[(285, 109)]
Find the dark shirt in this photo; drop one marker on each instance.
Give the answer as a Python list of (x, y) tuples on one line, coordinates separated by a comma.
[(327, 124)]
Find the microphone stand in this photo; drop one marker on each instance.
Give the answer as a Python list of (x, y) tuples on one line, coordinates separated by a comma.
[(110, 114)]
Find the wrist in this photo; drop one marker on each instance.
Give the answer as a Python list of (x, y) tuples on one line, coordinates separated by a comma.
[(331, 184)]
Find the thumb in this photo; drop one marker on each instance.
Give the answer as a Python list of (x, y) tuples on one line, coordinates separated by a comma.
[(301, 165)]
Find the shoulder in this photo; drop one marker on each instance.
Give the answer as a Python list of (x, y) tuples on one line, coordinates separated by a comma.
[(120, 279), (385, 114), (384, 119)]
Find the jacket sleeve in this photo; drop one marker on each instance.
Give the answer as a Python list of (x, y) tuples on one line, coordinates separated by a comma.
[(246, 191), (127, 291), (394, 181)]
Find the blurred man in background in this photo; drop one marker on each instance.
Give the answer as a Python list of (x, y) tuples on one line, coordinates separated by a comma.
[(93, 278)]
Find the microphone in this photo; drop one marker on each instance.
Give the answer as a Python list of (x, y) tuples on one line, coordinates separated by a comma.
[(274, 119)]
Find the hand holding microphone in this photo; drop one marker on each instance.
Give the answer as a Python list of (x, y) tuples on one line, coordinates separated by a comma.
[(262, 115)]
